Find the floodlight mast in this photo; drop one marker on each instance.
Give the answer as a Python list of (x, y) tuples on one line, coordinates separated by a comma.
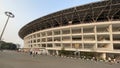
[(10, 15)]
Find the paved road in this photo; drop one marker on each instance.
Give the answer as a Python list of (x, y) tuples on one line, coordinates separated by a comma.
[(11, 59)]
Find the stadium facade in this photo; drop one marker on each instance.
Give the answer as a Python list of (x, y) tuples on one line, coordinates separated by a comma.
[(90, 28)]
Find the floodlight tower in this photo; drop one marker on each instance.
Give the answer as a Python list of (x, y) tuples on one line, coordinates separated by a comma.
[(10, 15)]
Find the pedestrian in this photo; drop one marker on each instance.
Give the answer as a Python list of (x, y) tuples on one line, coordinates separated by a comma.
[(30, 52), (33, 53), (36, 53)]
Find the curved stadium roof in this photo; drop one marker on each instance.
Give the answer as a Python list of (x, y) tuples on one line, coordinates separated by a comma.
[(89, 13)]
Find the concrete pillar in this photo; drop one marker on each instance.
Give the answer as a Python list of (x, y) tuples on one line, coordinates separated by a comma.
[(95, 30), (71, 37), (54, 52), (103, 56), (57, 53), (79, 54), (46, 38), (111, 38), (47, 52), (82, 38), (53, 39), (61, 38)]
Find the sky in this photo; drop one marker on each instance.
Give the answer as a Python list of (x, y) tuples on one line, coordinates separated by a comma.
[(26, 11)]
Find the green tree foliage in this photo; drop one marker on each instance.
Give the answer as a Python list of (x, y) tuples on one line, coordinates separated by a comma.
[(64, 52), (8, 46)]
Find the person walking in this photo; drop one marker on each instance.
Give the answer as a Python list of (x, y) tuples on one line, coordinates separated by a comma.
[(33, 52), (30, 52)]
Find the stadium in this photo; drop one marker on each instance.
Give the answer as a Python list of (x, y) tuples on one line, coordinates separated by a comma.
[(88, 30)]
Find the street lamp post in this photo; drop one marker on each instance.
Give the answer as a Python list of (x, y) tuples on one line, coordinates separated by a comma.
[(10, 15)]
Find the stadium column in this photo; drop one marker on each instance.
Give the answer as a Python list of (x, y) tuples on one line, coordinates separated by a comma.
[(71, 37), (61, 38), (111, 37), (103, 56), (57, 53), (53, 38), (46, 38), (82, 38), (95, 31)]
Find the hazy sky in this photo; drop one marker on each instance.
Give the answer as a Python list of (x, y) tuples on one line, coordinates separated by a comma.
[(28, 10)]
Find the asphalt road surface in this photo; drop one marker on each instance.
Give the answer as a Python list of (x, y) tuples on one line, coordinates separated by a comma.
[(12, 59)]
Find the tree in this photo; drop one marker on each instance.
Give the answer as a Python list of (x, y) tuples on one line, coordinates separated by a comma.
[(8, 46), (64, 52)]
